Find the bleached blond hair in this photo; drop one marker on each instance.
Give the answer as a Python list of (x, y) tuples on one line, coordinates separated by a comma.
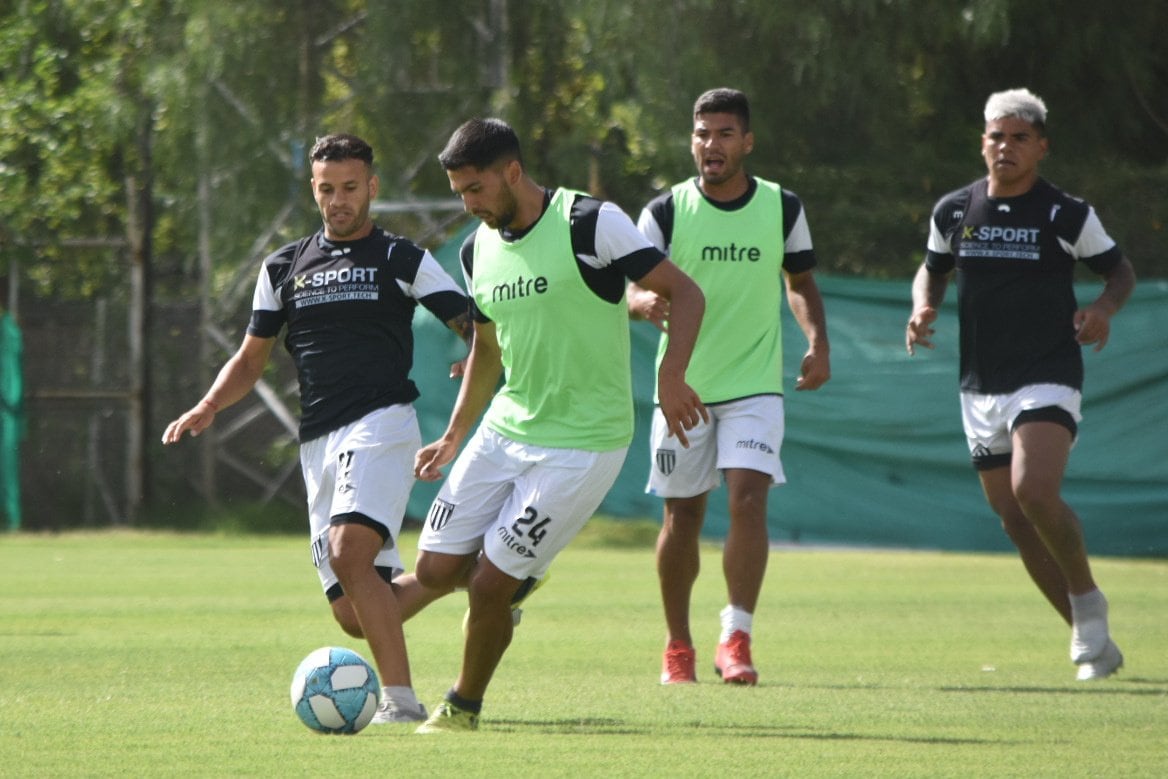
[(1021, 103)]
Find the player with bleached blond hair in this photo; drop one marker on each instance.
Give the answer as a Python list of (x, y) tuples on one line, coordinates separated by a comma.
[(1014, 240)]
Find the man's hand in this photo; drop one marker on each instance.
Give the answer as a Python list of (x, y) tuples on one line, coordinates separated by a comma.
[(1092, 326), (814, 371), (920, 330), (648, 305), (196, 420), (681, 406), (433, 456)]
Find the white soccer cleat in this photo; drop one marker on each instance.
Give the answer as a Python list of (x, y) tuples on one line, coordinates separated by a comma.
[(1108, 662), (389, 712)]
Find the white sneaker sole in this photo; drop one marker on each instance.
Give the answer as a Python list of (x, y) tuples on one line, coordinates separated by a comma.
[(1109, 661)]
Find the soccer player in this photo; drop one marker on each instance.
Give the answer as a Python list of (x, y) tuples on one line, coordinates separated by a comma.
[(546, 271), (1014, 240), (345, 297), (741, 238)]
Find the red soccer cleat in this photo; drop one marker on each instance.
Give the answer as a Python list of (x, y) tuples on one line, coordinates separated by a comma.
[(677, 664), (732, 661)]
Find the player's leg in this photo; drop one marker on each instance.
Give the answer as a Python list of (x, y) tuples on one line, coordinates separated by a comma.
[(450, 548), (750, 438), (353, 546), (554, 492), (683, 477), (744, 561), (679, 562), (1041, 450), (1039, 564), (412, 597), (372, 463), (747, 547), (489, 627)]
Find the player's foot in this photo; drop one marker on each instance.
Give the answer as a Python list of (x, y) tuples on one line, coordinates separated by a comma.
[(448, 718), (677, 664), (529, 586), (1088, 640), (732, 661), (390, 711), (1089, 633), (1108, 662)]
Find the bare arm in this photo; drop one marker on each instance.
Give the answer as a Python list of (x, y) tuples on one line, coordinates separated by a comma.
[(236, 378), (807, 306), (679, 403), (1093, 321), (479, 384), (928, 291)]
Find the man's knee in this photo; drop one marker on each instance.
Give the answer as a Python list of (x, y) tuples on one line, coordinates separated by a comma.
[(436, 571), (346, 617), (354, 542), (1038, 498)]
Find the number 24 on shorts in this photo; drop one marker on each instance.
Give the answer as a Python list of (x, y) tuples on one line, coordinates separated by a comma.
[(531, 526)]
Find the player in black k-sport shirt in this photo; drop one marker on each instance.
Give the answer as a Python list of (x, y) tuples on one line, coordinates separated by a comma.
[(345, 298), (1014, 239)]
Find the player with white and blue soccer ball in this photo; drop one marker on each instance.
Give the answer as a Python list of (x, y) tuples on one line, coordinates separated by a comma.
[(335, 691)]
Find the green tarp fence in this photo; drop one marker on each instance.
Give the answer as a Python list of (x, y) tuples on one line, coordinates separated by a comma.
[(877, 456), (11, 419)]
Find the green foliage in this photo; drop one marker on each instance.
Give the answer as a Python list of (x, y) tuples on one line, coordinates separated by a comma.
[(883, 92), (137, 651)]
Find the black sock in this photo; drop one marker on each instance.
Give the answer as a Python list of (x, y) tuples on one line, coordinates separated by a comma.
[(474, 707), (524, 588)]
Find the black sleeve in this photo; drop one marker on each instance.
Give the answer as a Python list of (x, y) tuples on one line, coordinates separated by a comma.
[(661, 207), (466, 257), (608, 282)]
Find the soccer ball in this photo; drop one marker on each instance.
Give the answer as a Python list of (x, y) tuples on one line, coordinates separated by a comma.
[(335, 691)]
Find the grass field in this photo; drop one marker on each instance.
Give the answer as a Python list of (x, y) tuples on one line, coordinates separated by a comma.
[(128, 654)]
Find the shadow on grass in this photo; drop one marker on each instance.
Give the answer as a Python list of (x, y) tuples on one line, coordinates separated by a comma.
[(1152, 687), (616, 727)]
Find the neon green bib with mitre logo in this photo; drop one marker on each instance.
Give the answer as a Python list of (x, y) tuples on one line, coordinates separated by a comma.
[(736, 257), (565, 351)]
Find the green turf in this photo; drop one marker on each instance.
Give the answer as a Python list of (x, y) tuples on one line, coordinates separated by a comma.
[(127, 654)]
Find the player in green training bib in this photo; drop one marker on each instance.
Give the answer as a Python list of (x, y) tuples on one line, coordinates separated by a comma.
[(547, 271), (742, 239)]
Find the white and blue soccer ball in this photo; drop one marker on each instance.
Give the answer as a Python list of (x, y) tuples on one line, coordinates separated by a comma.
[(335, 691)]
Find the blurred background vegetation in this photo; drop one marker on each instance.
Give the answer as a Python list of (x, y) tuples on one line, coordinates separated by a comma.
[(153, 151), (114, 113)]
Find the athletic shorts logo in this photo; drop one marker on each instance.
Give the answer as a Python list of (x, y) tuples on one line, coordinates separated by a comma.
[(439, 515), (344, 473), (758, 446), (666, 459), (981, 451)]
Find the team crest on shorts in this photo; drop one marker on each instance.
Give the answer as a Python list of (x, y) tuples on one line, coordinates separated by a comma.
[(666, 459), (439, 515)]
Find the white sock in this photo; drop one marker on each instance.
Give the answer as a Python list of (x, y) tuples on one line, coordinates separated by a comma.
[(734, 618), (1089, 605), (402, 697), (1089, 631)]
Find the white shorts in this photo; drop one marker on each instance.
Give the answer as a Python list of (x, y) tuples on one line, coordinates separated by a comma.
[(365, 467), (520, 504), (746, 433), (990, 420)]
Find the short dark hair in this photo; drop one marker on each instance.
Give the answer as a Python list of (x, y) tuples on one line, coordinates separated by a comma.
[(341, 146), (480, 143), (724, 100)]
